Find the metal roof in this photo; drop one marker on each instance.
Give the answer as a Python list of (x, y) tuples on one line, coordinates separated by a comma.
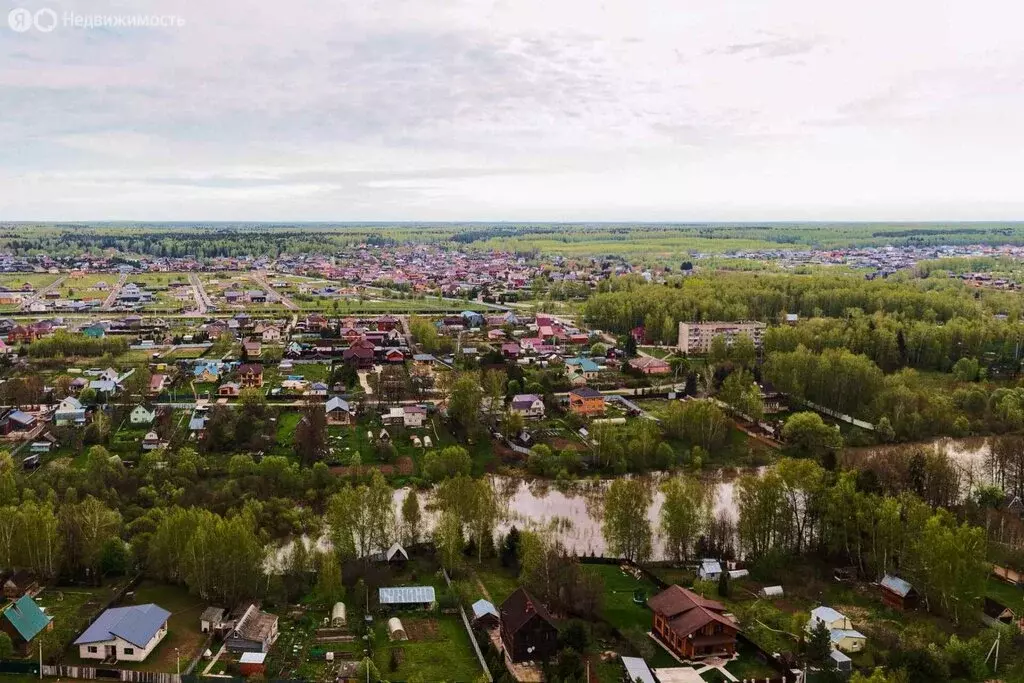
[(26, 617), (638, 670), (252, 658), (406, 595), (896, 585), (826, 614), (136, 624), (482, 607)]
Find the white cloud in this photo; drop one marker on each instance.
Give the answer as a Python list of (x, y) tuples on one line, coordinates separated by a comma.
[(517, 109)]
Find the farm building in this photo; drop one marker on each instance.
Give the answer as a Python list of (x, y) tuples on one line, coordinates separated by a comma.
[(407, 597)]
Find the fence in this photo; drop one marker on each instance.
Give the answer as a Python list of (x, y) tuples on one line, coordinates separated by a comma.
[(89, 673), (469, 630)]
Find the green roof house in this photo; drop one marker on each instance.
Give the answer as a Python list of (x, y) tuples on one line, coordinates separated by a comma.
[(23, 620)]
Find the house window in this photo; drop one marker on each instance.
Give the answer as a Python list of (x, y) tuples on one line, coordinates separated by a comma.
[(129, 650), (93, 649)]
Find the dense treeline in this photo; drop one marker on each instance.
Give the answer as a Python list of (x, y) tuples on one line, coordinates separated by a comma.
[(65, 344), (623, 303)]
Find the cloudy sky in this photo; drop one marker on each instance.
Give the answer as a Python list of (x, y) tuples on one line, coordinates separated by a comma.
[(515, 110)]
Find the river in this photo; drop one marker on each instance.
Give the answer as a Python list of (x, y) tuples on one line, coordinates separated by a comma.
[(571, 511)]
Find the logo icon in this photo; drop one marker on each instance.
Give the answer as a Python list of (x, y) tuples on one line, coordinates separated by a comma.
[(20, 19), (45, 20)]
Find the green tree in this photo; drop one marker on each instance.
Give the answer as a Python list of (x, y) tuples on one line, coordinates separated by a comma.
[(626, 528), (411, 518), (685, 514), (807, 435), (6, 646)]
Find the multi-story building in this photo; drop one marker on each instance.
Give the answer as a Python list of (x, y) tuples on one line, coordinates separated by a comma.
[(697, 337)]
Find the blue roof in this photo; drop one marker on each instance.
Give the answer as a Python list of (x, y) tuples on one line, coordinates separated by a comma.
[(838, 634), (638, 670), (482, 607), (406, 595), (20, 416), (586, 365), (897, 585), (136, 624), (26, 617), (197, 423)]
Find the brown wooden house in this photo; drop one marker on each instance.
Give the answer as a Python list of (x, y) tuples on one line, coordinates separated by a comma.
[(528, 632), (691, 626), (897, 593)]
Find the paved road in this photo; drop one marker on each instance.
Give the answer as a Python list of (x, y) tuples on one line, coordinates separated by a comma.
[(42, 292), (261, 277), (108, 303), (202, 298)]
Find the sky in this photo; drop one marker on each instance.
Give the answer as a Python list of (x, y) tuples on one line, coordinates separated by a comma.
[(512, 110)]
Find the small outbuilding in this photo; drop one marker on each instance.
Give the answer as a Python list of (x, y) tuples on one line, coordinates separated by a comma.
[(252, 663), (897, 593), (771, 592), (395, 629), (338, 615), (212, 619), (709, 569), (407, 597), (485, 613)]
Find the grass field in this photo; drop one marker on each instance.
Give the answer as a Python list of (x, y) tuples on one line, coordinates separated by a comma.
[(619, 589), (37, 280), (443, 654), (72, 609), (1011, 596)]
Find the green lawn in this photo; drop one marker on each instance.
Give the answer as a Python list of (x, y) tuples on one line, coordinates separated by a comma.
[(499, 582), (619, 607), (1011, 596), (444, 653)]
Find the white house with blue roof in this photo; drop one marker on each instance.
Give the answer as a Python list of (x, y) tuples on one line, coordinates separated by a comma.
[(124, 633), (841, 632)]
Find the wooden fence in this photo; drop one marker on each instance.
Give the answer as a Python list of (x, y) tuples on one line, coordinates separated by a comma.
[(90, 673)]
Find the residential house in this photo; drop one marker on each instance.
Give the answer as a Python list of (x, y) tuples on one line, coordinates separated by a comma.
[(360, 354), (104, 386), (157, 384), (252, 348), (844, 637), (527, 631), (124, 633), (141, 415), (151, 441), (586, 401), (339, 411), (69, 412), (413, 416), (256, 296), (528, 405), (270, 334), (897, 593), (394, 356), (250, 375), (583, 366), (14, 421), (206, 372), (23, 620), (691, 626), (228, 390), (407, 597), (649, 365), (511, 350), (254, 631)]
